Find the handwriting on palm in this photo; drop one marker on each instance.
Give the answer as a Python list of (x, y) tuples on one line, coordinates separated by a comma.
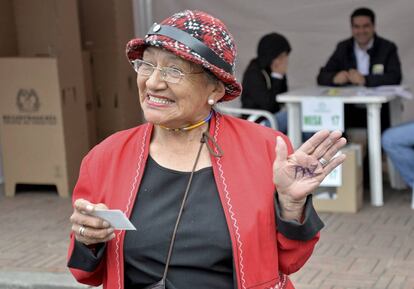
[(300, 173)]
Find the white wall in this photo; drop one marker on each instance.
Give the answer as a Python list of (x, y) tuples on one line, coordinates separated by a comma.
[(312, 26)]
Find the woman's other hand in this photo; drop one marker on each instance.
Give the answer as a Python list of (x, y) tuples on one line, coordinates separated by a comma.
[(299, 174), (89, 229)]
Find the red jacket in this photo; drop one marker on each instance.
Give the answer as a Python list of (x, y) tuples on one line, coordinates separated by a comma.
[(111, 173)]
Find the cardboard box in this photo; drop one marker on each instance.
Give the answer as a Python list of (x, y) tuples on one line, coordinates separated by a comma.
[(347, 198), (8, 41), (50, 29), (47, 33), (1, 165), (90, 100), (106, 28), (42, 132)]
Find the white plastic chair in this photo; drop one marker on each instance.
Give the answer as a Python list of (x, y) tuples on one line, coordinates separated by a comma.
[(253, 114)]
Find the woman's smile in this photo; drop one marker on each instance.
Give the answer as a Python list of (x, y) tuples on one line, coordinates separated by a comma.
[(158, 101)]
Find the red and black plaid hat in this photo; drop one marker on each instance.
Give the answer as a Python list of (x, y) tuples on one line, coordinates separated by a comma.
[(197, 37)]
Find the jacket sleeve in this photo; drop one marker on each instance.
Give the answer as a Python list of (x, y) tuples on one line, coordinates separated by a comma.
[(296, 241), (87, 265), (257, 95), (392, 71), (332, 67)]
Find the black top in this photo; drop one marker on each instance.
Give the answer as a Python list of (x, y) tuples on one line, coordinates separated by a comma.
[(260, 89), (202, 254), (203, 225)]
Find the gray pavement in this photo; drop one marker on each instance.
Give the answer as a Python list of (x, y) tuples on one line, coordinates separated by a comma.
[(373, 249), (34, 241), (38, 280)]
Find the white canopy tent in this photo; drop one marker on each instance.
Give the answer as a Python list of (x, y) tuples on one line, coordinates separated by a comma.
[(313, 28)]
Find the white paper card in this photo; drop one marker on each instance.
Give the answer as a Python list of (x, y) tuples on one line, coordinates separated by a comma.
[(116, 218), (322, 113)]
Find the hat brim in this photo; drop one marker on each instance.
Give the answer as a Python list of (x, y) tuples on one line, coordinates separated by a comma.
[(135, 50)]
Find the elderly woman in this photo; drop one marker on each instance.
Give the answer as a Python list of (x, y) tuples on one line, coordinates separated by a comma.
[(218, 202)]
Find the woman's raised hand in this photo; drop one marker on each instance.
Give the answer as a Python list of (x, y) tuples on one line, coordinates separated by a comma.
[(299, 174), (89, 229)]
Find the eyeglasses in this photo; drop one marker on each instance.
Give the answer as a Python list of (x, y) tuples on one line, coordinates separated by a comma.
[(168, 74)]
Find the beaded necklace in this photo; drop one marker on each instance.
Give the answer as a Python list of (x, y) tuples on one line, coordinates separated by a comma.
[(190, 127)]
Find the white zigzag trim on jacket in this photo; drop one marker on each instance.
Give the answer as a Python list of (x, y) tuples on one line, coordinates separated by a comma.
[(229, 206), (133, 188)]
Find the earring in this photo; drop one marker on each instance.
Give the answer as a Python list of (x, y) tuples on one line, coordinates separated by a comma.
[(210, 101)]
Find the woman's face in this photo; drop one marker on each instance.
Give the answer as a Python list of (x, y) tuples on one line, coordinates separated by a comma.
[(175, 105)]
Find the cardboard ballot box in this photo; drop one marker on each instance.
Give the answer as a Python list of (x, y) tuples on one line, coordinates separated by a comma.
[(43, 131), (348, 197), (106, 28), (1, 166)]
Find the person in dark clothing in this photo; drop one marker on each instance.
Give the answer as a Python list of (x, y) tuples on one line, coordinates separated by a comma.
[(265, 77), (365, 59)]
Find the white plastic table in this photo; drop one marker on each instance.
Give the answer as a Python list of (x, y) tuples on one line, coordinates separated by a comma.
[(373, 101)]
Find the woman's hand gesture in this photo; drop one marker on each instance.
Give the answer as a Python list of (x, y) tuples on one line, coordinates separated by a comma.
[(299, 174), (89, 229)]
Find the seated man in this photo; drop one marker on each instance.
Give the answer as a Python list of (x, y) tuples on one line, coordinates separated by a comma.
[(265, 77), (365, 59), (398, 143)]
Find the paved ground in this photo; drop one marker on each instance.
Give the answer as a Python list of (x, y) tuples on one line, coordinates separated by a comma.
[(373, 249)]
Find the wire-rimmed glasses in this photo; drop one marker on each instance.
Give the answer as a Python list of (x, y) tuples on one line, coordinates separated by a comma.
[(168, 74)]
